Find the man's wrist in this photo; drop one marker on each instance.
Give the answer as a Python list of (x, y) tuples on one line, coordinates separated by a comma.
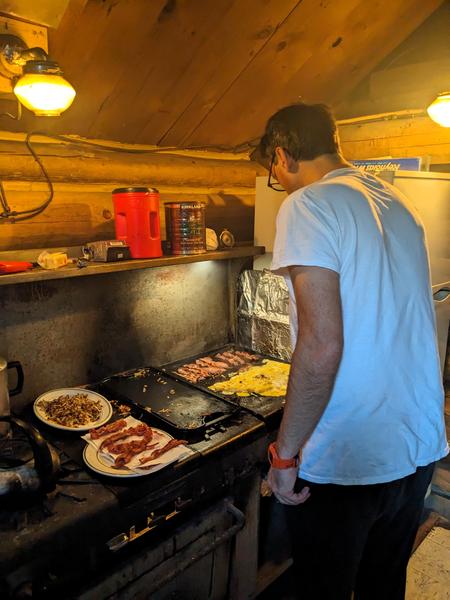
[(283, 452)]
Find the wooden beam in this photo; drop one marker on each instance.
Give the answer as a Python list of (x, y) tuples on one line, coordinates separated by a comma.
[(418, 136), (73, 164)]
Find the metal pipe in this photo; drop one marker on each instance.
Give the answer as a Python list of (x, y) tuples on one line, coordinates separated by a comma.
[(387, 116)]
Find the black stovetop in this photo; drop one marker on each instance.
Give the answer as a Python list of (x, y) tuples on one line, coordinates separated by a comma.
[(87, 509)]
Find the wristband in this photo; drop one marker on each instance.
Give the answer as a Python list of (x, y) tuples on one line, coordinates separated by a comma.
[(280, 463)]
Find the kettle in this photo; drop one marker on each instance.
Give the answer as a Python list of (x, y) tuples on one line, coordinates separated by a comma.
[(5, 392), (30, 477)]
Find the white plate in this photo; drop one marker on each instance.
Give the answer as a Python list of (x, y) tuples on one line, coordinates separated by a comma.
[(106, 408), (94, 460)]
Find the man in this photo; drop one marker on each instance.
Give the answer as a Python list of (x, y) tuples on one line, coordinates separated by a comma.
[(364, 407)]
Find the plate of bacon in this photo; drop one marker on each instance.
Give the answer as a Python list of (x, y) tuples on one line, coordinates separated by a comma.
[(131, 448)]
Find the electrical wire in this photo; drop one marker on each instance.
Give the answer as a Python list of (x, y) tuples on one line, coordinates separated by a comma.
[(3, 200), (78, 141), (23, 215)]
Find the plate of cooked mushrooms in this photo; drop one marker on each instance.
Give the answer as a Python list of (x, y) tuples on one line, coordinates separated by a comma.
[(72, 409)]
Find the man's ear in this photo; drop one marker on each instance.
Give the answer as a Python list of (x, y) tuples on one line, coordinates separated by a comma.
[(282, 157), (285, 159)]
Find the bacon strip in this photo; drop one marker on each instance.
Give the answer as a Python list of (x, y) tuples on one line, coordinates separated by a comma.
[(160, 451), (209, 366), (141, 430), (233, 359), (247, 355), (110, 428), (125, 447), (133, 449)]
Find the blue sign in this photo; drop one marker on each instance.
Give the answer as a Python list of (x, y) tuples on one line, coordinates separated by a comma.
[(376, 165)]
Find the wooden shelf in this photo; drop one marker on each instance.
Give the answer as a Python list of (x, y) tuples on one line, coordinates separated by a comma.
[(38, 274)]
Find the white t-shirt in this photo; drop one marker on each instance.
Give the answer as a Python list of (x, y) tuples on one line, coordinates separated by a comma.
[(385, 416)]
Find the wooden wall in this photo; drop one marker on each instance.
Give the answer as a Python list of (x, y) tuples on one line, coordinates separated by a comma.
[(415, 136), (83, 178)]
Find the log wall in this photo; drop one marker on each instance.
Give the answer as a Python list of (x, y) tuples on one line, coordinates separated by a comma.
[(415, 136), (84, 177)]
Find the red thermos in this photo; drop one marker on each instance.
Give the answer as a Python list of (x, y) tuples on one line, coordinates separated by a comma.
[(136, 210)]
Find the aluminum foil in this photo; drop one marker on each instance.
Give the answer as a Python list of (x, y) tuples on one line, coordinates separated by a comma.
[(263, 313)]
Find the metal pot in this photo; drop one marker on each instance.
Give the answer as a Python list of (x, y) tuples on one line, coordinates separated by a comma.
[(5, 392)]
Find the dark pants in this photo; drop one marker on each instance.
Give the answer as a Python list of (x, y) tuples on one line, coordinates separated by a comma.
[(356, 538)]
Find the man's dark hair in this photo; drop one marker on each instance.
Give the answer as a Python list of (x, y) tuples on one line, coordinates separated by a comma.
[(305, 131)]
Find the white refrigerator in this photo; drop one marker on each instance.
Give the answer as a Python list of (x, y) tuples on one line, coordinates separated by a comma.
[(428, 191)]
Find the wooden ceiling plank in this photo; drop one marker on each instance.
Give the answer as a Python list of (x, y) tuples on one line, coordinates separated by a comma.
[(58, 36), (238, 37), (158, 66), (289, 48), (116, 49), (372, 30), (344, 66), (402, 24), (74, 43), (428, 44)]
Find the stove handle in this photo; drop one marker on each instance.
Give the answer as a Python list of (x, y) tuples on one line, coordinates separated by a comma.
[(123, 539)]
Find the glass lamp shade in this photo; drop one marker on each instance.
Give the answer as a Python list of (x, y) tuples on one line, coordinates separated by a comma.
[(44, 94), (439, 110)]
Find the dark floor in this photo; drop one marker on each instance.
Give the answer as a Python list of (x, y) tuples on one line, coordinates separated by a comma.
[(282, 588)]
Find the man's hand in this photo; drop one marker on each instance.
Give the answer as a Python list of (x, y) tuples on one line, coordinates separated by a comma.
[(282, 481)]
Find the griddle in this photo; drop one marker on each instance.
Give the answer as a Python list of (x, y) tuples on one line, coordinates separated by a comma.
[(182, 407), (265, 407)]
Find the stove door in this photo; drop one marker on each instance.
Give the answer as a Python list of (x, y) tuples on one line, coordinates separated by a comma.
[(193, 562)]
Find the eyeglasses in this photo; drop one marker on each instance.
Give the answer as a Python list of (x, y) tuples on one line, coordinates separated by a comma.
[(271, 182)]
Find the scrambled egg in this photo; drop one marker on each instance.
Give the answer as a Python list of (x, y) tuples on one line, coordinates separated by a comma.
[(268, 379)]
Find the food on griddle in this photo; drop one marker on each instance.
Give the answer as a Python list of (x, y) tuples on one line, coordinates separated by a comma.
[(268, 379), (106, 429), (121, 409), (72, 411), (160, 451), (218, 364)]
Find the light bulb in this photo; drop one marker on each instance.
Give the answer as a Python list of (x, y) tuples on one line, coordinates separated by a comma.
[(439, 110), (44, 94)]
